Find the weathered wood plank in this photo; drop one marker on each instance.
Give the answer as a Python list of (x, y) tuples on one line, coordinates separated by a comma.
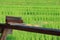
[(32, 29), (4, 34)]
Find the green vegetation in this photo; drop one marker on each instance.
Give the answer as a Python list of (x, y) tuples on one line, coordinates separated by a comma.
[(44, 13)]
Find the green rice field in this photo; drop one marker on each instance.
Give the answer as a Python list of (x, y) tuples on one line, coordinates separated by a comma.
[(45, 13)]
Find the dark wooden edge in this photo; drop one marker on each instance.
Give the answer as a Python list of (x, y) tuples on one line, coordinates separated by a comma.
[(32, 29)]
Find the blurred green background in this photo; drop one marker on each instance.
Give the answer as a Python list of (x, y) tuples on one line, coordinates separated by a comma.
[(45, 13)]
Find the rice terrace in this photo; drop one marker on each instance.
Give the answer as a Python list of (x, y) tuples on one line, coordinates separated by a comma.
[(43, 13)]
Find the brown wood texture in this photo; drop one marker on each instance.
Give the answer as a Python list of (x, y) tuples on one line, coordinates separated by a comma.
[(13, 19), (6, 31), (4, 34), (10, 19), (32, 29)]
